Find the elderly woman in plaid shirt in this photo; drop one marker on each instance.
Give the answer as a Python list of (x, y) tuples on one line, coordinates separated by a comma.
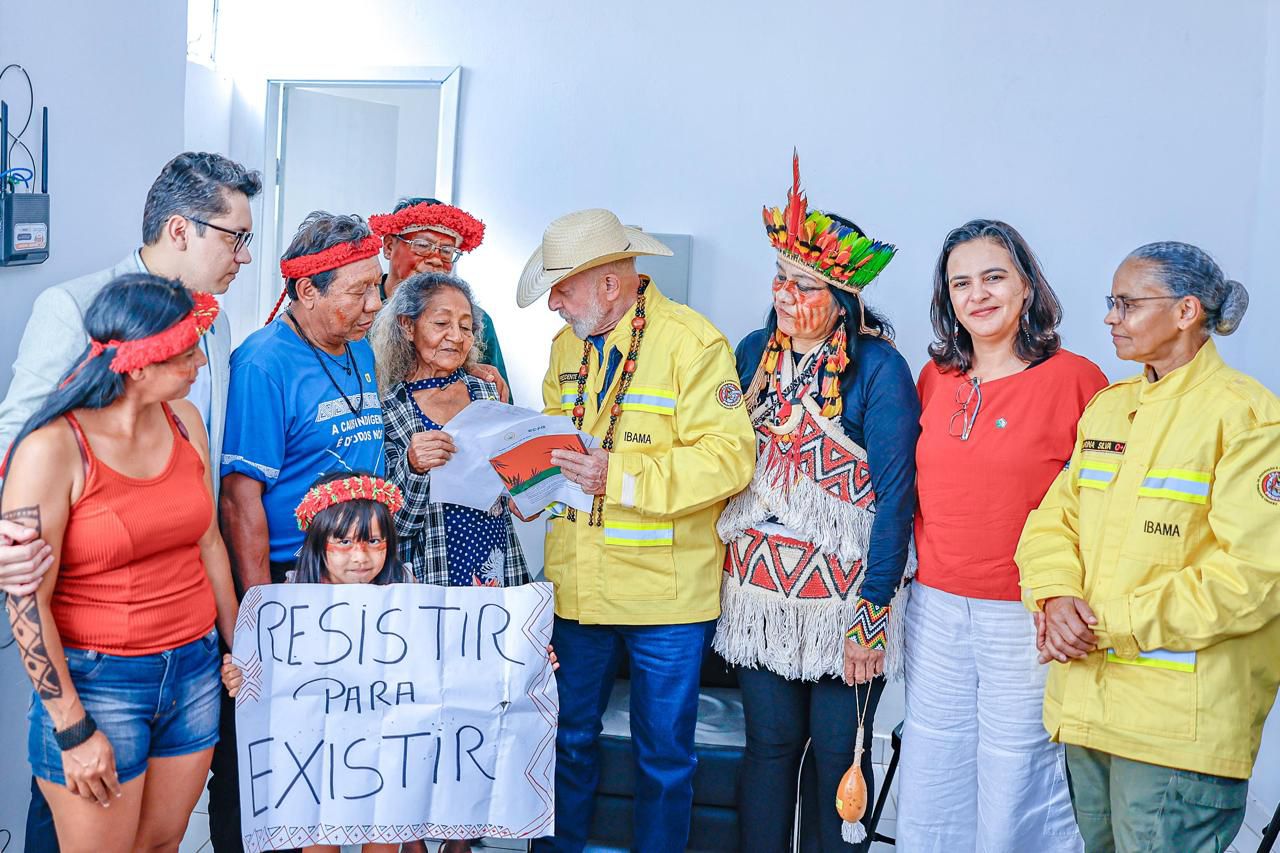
[(425, 340)]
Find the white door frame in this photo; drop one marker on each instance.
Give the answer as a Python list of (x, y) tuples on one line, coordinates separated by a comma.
[(260, 131)]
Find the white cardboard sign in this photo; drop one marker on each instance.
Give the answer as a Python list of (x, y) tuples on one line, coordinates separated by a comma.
[(393, 713)]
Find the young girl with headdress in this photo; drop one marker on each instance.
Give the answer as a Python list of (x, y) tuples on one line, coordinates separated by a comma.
[(350, 538)]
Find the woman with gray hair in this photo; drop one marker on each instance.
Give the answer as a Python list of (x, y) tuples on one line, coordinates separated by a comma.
[(1155, 560), (424, 340)]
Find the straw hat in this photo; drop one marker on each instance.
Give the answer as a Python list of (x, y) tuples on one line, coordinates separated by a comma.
[(579, 241)]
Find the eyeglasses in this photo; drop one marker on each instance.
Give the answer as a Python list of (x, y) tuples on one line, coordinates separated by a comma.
[(243, 238), (968, 394), (1122, 304), (426, 248)]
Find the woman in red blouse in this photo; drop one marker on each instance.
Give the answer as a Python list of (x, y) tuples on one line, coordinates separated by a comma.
[(1000, 401)]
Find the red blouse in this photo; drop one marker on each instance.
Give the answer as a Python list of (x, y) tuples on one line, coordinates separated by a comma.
[(132, 581), (975, 495)]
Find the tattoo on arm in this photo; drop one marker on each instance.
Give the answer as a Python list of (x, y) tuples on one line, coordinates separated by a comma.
[(28, 633), (27, 516), (24, 616)]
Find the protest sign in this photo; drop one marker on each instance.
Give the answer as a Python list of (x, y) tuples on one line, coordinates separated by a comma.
[(393, 713)]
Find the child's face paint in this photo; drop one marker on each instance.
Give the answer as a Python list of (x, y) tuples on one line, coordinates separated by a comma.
[(352, 560), (806, 309)]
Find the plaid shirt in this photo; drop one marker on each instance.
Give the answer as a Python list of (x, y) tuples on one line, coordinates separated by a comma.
[(420, 523)]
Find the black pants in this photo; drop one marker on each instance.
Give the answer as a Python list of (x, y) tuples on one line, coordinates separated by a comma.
[(224, 779), (781, 715), (41, 835), (224, 785)]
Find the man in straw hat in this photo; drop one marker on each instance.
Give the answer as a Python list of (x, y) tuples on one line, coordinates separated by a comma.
[(639, 575)]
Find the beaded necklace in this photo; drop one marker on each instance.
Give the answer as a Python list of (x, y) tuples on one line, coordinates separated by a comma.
[(596, 519)]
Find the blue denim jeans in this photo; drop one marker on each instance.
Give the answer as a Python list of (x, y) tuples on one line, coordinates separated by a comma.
[(150, 706), (665, 661)]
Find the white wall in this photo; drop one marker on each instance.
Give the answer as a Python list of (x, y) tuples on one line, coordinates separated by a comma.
[(1093, 127), (207, 110), (416, 130), (112, 77)]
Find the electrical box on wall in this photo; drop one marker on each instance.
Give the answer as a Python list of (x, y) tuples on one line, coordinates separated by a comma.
[(24, 216)]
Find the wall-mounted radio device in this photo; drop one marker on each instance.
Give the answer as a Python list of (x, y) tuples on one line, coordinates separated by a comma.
[(24, 215)]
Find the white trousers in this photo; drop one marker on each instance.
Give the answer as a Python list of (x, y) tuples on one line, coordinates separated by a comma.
[(978, 772)]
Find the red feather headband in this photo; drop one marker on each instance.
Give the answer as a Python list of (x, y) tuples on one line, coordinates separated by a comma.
[(355, 488), (330, 258), (455, 221), (162, 346)]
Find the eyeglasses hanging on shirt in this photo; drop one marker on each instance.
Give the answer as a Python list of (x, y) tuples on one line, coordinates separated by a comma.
[(969, 398)]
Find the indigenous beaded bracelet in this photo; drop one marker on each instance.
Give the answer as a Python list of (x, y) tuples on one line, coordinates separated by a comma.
[(870, 625)]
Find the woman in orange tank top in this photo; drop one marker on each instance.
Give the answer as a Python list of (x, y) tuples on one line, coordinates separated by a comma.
[(121, 638)]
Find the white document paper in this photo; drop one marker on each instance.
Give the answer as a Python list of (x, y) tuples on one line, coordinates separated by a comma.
[(488, 433), (393, 713)]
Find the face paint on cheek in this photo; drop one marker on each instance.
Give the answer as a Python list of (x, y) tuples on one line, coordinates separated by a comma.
[(339, 547), (813, 312)]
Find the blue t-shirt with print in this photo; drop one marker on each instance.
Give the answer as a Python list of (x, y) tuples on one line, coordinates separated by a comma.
[(287, 424)]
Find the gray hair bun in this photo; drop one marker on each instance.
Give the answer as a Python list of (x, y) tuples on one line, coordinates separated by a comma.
[(1234, 304)]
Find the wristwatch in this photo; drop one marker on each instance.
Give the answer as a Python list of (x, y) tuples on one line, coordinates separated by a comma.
[(76, 733)]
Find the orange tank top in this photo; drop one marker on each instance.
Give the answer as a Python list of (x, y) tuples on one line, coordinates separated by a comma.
[(131, 580)]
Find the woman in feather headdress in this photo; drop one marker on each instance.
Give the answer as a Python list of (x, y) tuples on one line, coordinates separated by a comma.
[(819, 542)]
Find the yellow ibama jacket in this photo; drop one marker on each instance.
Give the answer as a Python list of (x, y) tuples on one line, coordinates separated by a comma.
[(1167, 521), (683, 445)]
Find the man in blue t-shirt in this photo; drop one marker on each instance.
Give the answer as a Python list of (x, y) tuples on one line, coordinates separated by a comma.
[(303, 399)]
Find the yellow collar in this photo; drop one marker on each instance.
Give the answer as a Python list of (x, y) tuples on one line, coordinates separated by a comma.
[(1181, 380)]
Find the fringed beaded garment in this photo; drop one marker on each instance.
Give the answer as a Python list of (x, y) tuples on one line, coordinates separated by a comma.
[(798, 536)]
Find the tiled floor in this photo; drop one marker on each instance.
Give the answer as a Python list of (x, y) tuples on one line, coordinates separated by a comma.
[(197, 838)]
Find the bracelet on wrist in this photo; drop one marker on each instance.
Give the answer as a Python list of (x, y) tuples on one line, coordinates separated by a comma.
[(76, 733), (870, 627)]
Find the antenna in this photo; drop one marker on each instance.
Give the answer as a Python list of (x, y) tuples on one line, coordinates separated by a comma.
[(4, 142), (44, 150)]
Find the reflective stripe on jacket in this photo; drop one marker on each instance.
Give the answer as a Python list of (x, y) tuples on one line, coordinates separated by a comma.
[(683, 444), (1167, 521)]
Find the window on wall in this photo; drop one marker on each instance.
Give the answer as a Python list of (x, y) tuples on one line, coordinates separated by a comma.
[(202, 31)]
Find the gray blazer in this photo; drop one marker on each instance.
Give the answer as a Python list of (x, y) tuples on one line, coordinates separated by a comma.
[(55, 338)]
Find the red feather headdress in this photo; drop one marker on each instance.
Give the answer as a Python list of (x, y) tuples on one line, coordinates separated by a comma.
[(162, 346), (330, 258), (355, 488), (454, 221), (323, 261)]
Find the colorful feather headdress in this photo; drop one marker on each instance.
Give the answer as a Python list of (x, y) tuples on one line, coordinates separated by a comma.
[(842, 256)]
